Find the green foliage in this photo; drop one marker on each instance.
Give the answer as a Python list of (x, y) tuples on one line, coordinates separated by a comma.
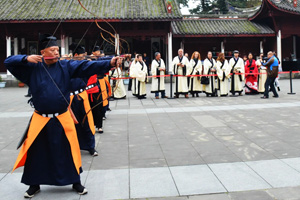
[(203, 7), (1, 79), (244, 3), (222, 6)]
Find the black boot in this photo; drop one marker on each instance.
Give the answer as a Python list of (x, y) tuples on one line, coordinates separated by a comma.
[(93, 152), (33, 189), (80, 189)]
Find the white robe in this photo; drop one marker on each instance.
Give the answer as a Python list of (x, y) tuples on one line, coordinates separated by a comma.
[(195, 83), (261, 77), (120, 92), (132, 71), (181, 83), (208, 65), (223, 71), (158, 83), (237, 80), (139, 83)]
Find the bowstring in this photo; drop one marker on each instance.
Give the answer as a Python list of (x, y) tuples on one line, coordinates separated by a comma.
[(108, 42), (83, 36)]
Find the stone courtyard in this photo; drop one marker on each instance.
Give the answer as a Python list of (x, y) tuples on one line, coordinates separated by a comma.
[(202, 148)]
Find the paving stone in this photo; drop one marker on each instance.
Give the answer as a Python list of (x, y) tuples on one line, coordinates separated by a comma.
[(288, 193), (11, 188), (147, 163), (238, 177), (250, 195), (154, 182), (293, 162), (107, 184), (210, 197), (198, 179), (226, 158), (276, 173)]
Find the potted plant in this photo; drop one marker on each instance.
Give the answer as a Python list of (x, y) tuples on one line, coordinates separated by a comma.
[(2, 83), (20, 84)]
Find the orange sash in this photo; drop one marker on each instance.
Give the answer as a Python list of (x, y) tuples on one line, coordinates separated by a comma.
[(37, 123), (108, 86), (87, 108), (103, 91)]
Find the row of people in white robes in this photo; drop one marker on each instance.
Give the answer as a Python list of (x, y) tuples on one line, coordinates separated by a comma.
[(218, 74)]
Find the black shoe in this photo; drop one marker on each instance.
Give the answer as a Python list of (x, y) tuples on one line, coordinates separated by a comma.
[(104, 118), (197, 95), (278, 88), (108, 109), (79, 189), (27, 95), (276, 96), (93, 152), (33, 189), (100, 130), (193, 95)]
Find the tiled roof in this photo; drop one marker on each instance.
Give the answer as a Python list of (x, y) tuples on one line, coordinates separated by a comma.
[(219, 27), (286, 5), (71, 10)]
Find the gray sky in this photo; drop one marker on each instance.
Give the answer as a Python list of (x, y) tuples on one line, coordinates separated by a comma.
[(191, 4)]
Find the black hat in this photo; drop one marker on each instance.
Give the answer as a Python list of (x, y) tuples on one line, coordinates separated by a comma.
[(96, 48), (236, 51), (47, 40), (77, 48)]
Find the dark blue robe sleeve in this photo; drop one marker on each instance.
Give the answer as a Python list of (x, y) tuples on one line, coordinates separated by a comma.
[(85, 69), (21, 70), (105, 58)]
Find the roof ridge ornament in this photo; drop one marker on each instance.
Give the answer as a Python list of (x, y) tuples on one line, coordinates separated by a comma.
[(169, 6), (295, 2)]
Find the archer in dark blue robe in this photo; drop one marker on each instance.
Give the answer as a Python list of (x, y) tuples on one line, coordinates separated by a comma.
[(49, 158), (85, 135)]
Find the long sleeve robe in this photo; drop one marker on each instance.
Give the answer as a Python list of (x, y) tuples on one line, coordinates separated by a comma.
[(262, 77), (120, 92), (195, 85), (158, 83), (223, 71), (237, 80), (140, 72), (208, 66), (251, 76), (181, 82), (81, 106), (50, 153)]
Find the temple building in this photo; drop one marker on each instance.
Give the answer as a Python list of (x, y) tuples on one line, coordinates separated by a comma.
[(148, 26)]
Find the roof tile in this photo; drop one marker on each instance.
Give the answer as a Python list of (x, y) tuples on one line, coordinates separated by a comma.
[(105, 9), (219, 27)]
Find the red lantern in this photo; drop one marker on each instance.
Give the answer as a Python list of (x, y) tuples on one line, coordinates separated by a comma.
[(295, 3)]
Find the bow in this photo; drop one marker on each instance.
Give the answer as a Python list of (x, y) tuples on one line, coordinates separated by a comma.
[(110, 42)]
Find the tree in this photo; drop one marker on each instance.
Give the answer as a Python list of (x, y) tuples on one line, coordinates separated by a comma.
[(222, 5), (183, 3), (203, 6)]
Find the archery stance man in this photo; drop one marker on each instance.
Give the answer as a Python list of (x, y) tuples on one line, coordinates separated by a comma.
[(50, 150)]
